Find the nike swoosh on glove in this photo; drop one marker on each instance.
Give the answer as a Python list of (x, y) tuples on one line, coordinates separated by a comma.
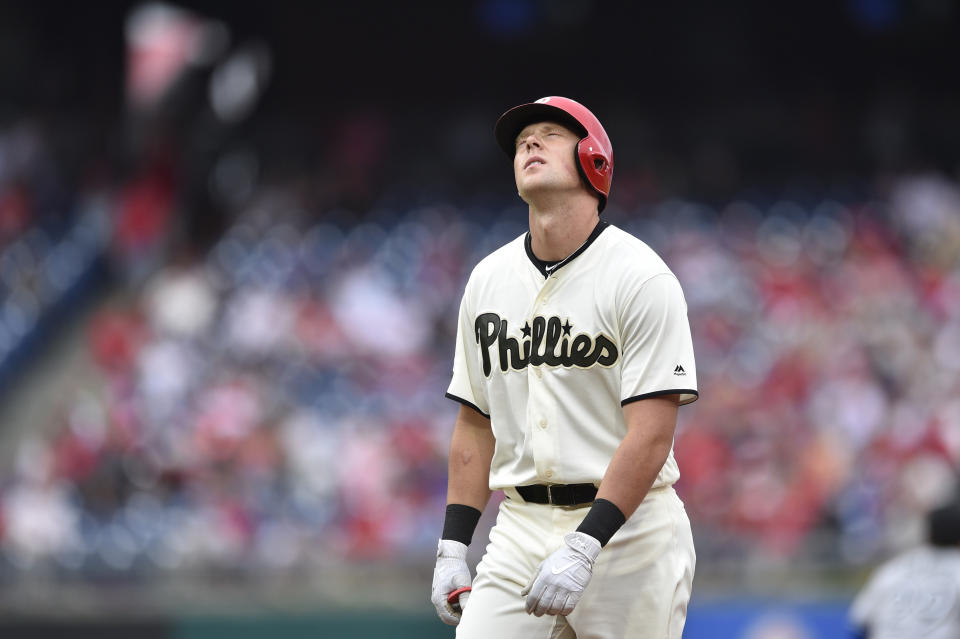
[(559, 581), (450, 573)]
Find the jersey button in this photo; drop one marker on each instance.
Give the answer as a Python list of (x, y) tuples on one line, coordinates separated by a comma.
[(543, 423), (538, 372), (548, 474)]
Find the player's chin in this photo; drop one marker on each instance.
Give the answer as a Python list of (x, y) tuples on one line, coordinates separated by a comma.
[(534, 186)]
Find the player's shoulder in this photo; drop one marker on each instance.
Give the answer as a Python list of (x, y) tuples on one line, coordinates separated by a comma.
[(909, 562), (630, 255)]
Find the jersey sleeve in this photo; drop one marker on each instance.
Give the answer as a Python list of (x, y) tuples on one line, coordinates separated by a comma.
[(467, 385), (657, 347)]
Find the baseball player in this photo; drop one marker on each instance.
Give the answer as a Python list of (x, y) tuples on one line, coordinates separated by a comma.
[(573, 353), (916, 594)]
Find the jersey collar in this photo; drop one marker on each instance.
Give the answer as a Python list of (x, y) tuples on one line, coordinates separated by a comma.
[(543, 267)]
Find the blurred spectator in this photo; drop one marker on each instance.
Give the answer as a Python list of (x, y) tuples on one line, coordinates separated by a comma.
[(144, 214)]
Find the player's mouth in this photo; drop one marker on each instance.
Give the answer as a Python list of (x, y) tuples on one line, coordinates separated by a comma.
[(535, 160)]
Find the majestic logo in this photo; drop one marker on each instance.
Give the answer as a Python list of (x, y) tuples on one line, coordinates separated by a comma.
[(679, 370), (547, 342)]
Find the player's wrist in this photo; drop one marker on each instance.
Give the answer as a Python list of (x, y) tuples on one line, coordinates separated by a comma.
[(451, 549), (603, 521), (460, 522)]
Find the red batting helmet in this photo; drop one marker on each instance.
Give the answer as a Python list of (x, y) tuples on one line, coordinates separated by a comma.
[(594, 153)]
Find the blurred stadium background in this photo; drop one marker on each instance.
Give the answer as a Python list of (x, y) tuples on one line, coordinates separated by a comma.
[(233, 239)]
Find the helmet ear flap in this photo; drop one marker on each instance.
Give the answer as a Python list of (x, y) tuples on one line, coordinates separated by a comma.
[(599, 162), (595, 167)]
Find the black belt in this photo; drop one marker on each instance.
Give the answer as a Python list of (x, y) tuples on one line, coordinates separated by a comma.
[(558, 494)]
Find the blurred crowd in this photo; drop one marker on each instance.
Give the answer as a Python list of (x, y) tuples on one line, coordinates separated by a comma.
[(51, 240), (275, 401)]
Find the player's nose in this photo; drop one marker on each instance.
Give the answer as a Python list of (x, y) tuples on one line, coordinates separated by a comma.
[(531, 141)]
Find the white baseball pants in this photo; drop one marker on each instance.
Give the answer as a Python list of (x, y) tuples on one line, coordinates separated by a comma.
[(641, 582)]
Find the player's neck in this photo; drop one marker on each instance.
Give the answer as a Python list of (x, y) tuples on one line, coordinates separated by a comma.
[(560, 230)]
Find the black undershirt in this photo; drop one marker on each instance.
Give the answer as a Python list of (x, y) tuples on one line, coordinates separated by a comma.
[(546, 268)]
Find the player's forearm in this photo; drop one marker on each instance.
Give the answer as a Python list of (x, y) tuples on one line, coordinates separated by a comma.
[(471, 449), (642, 453)]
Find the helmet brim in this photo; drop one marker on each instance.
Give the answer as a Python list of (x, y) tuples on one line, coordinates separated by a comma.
[(512, 122)]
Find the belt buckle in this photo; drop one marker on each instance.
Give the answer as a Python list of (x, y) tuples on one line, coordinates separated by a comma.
[(550, 494)]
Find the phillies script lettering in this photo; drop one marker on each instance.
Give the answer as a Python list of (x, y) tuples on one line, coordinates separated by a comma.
[(545, 342)]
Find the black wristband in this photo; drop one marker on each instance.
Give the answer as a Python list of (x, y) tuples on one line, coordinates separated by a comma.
[(460, 522), (603, 520)]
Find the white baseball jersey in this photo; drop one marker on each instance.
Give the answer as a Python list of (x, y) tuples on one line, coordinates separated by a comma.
[(914, 595), (550, 355)]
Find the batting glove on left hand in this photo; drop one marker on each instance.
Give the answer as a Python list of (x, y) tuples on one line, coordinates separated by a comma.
[(558, 584), (450, 573)]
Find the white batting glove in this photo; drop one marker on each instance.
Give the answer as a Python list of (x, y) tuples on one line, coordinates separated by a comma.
[(558, 584), (450, 573)]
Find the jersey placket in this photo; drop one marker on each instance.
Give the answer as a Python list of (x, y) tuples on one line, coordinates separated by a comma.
[(540, 404)]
